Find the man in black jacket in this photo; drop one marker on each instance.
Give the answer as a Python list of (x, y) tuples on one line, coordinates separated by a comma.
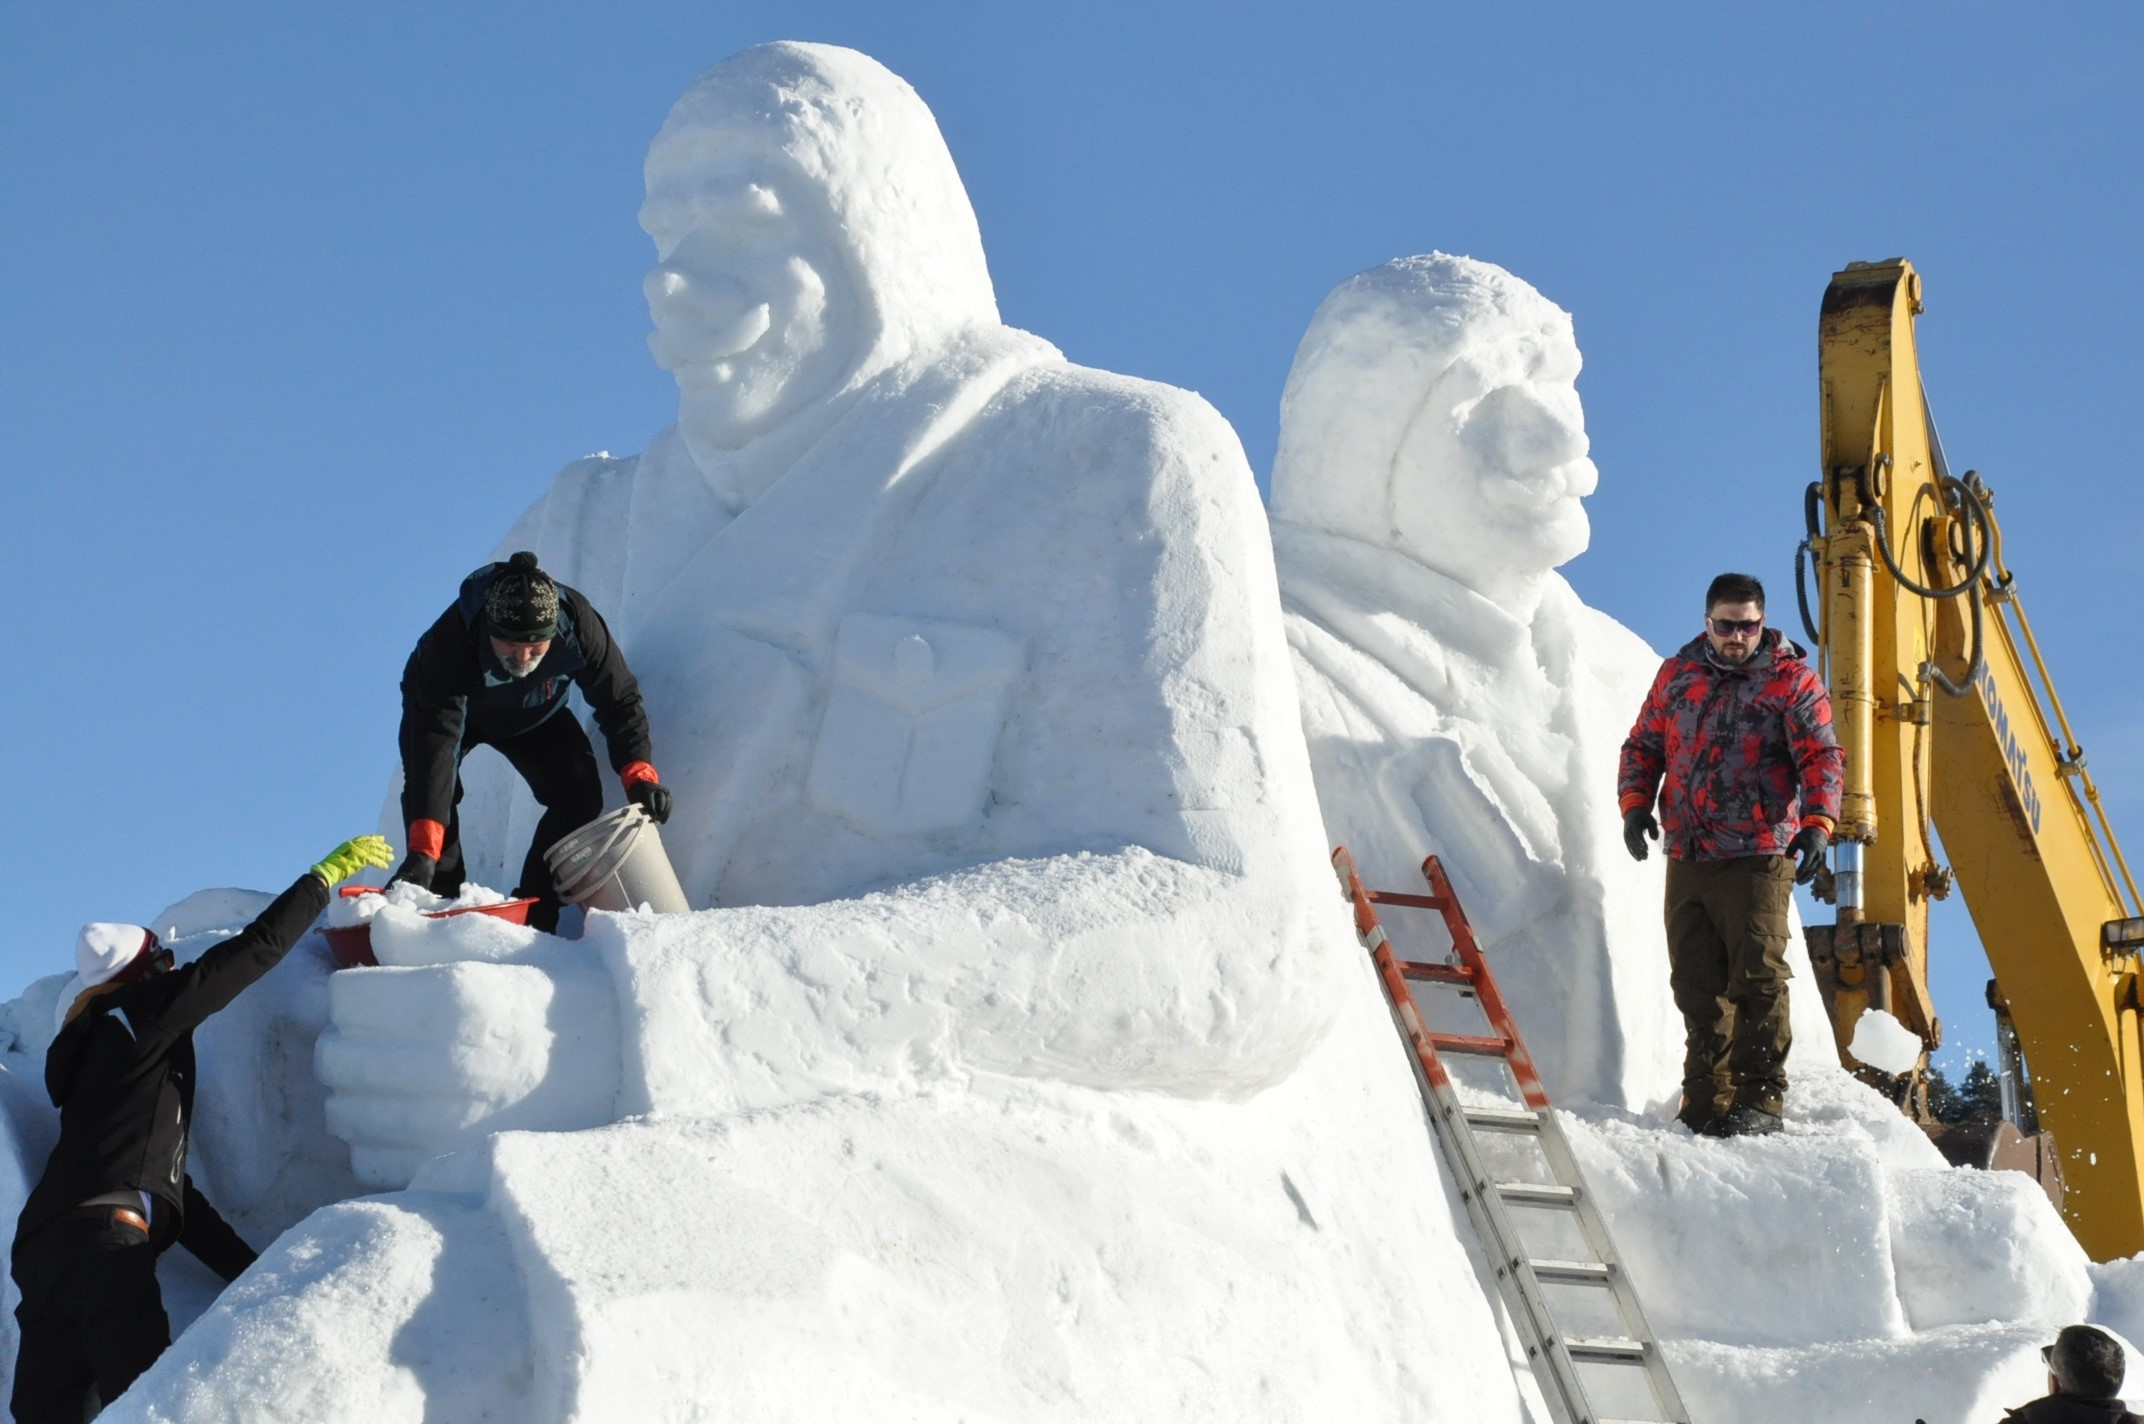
[(494, 670), (2084, 1379), (115, 1193)]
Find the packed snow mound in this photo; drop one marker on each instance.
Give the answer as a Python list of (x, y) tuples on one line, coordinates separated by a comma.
[(1841, 1269), (976, 1245)]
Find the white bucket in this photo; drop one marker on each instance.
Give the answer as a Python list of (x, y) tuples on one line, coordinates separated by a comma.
[(616, 862)]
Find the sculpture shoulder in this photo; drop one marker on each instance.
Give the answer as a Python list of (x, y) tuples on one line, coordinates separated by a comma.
[(571, 489), (1149, 425)]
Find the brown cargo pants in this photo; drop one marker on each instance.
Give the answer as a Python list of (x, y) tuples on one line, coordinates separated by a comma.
[(1727, 960)]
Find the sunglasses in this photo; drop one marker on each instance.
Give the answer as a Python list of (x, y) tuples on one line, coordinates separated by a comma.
[(1728, 627)]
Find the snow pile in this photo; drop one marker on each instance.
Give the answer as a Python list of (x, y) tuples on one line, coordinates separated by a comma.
[(1840, 1269), (347, 911), (1020, 1062)]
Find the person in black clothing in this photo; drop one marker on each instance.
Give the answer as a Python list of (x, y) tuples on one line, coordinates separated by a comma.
[(2084, 1379), (115, 1193), (494, 670)]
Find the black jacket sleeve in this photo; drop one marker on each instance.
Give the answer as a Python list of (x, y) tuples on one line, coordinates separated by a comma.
[(183, 998), (612, 691), (435, 701), (212, 1240)]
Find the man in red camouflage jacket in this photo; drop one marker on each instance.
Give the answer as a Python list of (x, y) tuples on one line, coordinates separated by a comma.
[(1736, 740)]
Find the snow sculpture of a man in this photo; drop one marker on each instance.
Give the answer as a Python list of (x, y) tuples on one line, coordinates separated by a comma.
[(1457, 696), (912, 595), (1027, 1067)]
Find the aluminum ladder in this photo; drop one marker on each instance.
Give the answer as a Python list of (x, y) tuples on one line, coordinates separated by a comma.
[(1492, 1204)]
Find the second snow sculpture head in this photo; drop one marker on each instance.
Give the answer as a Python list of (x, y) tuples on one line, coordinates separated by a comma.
[(1433, 409), (810, 230)]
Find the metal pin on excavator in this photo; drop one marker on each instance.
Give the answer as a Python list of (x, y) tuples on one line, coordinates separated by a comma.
[(1952, 727)]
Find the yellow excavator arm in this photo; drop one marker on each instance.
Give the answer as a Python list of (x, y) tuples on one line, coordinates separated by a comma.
[(1930, 661)]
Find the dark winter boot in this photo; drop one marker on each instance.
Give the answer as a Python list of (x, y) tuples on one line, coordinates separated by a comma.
[(1746, 1120)]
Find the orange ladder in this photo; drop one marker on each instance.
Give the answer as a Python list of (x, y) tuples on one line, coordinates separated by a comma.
[(1491, 1204)]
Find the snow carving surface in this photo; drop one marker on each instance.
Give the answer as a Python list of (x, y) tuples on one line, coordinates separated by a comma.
[(1022, 1063)]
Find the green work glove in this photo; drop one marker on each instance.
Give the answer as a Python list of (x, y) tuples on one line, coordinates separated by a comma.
[(352, 856)]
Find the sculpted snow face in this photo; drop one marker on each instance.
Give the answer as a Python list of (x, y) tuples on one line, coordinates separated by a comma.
[(1432, 410), (811, 230), (1457, 696)]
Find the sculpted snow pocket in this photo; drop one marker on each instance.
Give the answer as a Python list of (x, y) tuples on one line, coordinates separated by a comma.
[(911, 725)]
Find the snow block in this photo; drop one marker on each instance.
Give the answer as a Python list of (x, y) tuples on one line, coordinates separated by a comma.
[(1699, 1220), (1973, 1247), (400, 1312), (1959, 1375)]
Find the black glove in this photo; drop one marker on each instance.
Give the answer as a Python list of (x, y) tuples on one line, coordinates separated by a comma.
[(416, 870), (652, 797), (1638, 824), (1809, 848)]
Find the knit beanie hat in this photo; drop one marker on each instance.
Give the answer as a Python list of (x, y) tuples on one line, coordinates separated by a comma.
[(103, 950), (522, 606)]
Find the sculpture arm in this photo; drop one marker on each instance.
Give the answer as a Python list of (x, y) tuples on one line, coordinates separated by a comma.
[(1126, 970)]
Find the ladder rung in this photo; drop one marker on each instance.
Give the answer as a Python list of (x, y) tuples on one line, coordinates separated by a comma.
[(1542, 1194), (1395, 897), (1595, 1351), (1503, 1119), (1456, 975), (1480, 1045), (1572, 1273)]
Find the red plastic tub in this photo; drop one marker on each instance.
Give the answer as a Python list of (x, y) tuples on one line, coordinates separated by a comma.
[(352, 944)]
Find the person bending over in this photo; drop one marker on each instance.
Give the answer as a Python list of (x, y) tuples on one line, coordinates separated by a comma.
[(115, 1193), (494, 670)]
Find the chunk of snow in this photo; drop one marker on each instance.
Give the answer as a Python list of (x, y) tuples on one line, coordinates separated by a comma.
[(1884, 1043), (347, 910)]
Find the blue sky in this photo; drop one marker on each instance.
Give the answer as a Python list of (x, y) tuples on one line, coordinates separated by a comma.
[(303, 306)]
